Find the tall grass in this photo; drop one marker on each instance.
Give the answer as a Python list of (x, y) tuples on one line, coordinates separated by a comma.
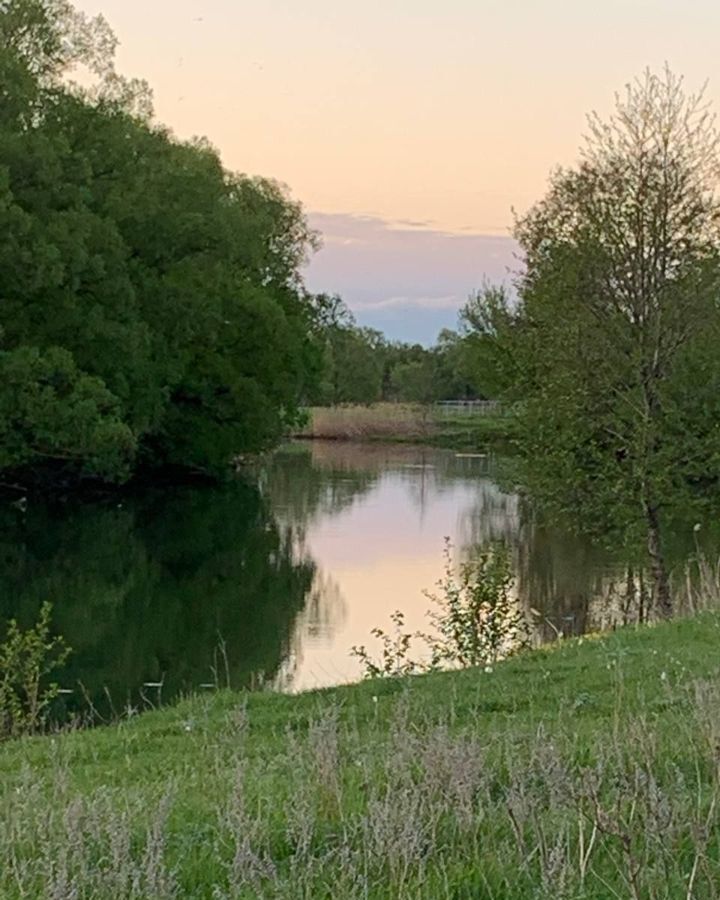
[(382, 420), (592, 771)]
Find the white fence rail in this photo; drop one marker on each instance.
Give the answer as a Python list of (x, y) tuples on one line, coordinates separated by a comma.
[(465, 407)]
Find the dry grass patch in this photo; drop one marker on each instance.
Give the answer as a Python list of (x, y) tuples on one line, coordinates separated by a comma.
[(382, 420)]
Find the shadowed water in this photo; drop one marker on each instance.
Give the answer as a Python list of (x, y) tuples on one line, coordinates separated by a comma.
[(274, 577)]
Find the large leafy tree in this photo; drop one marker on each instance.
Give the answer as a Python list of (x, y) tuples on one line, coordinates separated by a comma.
[(612, 342), (144, 290)]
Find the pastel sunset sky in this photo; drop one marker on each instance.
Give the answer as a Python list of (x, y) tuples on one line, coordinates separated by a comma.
[(409, 129)]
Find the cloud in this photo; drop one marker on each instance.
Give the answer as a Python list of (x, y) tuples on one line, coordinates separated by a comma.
[(412, 223), (402, 277), (450, 302), (369, 226)]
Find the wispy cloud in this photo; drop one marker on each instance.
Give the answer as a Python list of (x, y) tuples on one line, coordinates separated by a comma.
[(412, 223), (451, 302)]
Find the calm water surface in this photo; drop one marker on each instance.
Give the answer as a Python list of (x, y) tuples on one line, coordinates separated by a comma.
[(274, 578)]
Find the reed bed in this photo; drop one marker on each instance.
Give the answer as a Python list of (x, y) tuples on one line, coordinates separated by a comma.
[(382, 420)]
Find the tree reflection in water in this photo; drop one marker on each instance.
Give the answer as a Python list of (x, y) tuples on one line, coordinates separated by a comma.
[(145, 590), (290, 567)]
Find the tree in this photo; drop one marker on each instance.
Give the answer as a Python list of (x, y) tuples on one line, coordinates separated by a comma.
[(153, 297), (617, 304), (356, 366), (417, 382), (352, 357), (482, 359)]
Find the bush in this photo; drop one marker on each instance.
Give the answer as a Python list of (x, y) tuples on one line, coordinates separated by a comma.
[(476, 621), (26, 659)]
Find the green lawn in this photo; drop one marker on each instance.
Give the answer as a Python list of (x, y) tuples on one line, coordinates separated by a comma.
[(584, 771), (472, 431)]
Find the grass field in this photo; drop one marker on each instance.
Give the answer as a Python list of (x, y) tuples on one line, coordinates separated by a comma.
[(590, 770), (408, 423)]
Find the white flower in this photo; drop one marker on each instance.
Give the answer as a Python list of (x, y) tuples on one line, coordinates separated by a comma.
[(374, 699), (488, 669)]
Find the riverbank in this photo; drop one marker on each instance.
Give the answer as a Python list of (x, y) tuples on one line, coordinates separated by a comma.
[(585, 770), (407, 423)]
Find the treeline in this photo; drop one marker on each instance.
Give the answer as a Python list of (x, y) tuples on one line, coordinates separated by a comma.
[(152, 311), (359, 365)]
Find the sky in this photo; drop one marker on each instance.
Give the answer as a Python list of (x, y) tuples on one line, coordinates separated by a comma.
[(409, 129)]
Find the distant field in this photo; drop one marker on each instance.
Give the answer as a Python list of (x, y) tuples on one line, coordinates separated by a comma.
[(407, 422)]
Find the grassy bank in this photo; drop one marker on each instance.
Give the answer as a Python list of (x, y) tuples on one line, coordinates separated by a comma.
[(408, 423), (587, 771)]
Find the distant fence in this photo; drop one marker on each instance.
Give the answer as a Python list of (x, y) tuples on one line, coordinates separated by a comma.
[(465, 407)]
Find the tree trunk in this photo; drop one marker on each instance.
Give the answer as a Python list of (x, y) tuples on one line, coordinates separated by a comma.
[(662, 599)]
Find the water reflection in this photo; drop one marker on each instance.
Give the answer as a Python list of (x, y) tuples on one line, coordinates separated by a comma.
[(289, 568), (147, 590), (383, 543)]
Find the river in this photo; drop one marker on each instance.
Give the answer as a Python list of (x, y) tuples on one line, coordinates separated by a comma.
[(271, 579)]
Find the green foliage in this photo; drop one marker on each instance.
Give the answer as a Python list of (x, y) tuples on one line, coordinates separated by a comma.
[(26, 659), (352, 357), (355, 369), (416, 382), (359, 366), (415, 374), (571, 772), (165, 289), (617, 306), (476, 621), (395, 659), (483, 357), (458, 376), (50, 410)]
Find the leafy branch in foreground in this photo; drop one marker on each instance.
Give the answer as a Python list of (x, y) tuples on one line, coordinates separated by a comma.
[(26, 659), (476, 621), (394, 655)]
